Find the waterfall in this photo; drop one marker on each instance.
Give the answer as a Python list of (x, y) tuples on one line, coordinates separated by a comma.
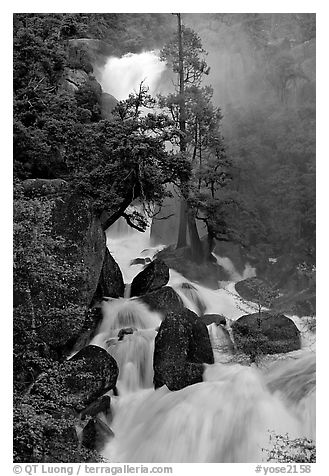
[(122, 76), (133, 351), (229, 417)]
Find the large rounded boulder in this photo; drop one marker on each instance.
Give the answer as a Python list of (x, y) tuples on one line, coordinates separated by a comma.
[(265, 333), (96, 434), (79, 382), (110, 282), (217, 319), (61, 289), (163, 300), (257, 290), (182, 347), (154, 276), (96, 373)]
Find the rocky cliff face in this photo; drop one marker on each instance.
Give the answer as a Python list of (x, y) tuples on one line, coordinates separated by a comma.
[(86, 56), (71, 276)]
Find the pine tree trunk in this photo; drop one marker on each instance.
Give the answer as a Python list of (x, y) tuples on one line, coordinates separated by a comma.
[(181, 241), (196, 245), (210, 245)]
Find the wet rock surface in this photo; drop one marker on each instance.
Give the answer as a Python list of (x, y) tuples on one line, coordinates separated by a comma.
[(266, 333), (77, 256), (182, 346), (96, 434), (153, 277), (110, 281), (97, 374), (216, 318), (163, 300)]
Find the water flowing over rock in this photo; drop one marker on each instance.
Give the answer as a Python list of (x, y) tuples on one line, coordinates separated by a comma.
[(153, 277), (265, 333), (127, 332), (100, 372), (226, 418), (110, 281), (182, 346), (220, 338)]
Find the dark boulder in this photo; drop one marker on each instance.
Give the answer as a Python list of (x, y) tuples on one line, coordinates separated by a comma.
[(207, 273), (182, 346), (163, 300), (126, 331), (69, 278), (256, 290), (153, 277), (265, 333), (216, 318), (75, 222), (96, 434), (108, 103), (101, 405), (84, 378), (142, 261), (92, 321), (96, 374), (110, 282)]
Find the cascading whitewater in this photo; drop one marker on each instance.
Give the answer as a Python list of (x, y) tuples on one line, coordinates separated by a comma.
[(225, 419), (294, 380), (230, 416), (225, 301), (134, 352), (121, 76)]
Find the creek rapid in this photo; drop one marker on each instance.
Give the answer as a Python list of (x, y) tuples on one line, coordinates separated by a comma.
[(232, 415)]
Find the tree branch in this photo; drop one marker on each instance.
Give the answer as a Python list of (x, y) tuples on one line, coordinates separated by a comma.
[(132, 224)]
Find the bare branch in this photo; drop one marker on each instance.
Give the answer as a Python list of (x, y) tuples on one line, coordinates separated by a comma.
[(132, 224)]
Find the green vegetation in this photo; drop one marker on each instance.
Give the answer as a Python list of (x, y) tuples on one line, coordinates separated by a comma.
[(190, 106), (59, 133), (288, 450), (256, 188)]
